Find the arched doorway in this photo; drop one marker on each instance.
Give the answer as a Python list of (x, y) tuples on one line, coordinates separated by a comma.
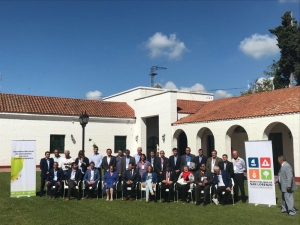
[(282, 143), (180, 139), (235, 140), (206, 140)]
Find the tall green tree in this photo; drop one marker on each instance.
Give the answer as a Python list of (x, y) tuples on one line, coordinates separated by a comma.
[(288, 37)]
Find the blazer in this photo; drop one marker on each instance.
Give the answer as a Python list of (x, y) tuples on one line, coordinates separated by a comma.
[(154, 161), (229, 167), (87, 175), (207, 174), (208, 163), (77, 175), (60, 175), (286, 178), (183, 161), (157, 165), (105, 165), (44, 165), (203, 161), (127, 176), (172, 162), (226, 179), (83, 166), (154, 177), (171, 178), (122, 168)]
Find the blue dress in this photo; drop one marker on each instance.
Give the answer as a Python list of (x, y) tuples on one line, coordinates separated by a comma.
[(110, 179)]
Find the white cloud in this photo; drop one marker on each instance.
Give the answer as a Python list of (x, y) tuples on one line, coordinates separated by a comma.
[(221, 94), (161, 45), (93, 95), (258, 46), (198, 88)]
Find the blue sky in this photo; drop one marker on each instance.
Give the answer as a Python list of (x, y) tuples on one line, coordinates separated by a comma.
[(69, 49)]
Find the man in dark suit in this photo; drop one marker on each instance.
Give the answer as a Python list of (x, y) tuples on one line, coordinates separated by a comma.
[(91, 178), (213, 161), (54, 178), (130, 178), (125, 162), (204, 179), (223, 180), (188, 160), (46, 164), (174, 162), (168, 180), (72, 179), (160, 165), (201, 159), (153, 159), (108, 161), (226, 165)]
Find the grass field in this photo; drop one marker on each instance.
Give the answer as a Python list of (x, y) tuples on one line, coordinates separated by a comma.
[(36, 210)]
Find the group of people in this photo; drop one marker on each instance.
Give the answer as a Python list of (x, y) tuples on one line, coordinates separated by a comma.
[(186, 172)]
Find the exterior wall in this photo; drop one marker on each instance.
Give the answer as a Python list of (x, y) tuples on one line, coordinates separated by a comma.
[(194, 96), (32, 127), (255, 128)]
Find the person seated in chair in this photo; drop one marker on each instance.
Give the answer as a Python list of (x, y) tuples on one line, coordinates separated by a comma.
[(223, 180), (110, 183), (130, 178), (184, 183), (54, 178), (91, 179), (149, 180), (203, 181), (168, 179), (72, 179)]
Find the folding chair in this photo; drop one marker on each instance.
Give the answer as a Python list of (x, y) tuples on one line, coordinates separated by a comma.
[(67, 187), (189, 191), (97, 187), (144, 189), (129, 189), (167, 190), (116, 192)]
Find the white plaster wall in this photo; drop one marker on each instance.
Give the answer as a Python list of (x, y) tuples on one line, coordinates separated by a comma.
[(102, 134), (254, 127), (195, 96)]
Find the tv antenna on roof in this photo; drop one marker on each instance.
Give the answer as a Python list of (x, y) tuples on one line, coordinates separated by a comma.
[(152, 74)]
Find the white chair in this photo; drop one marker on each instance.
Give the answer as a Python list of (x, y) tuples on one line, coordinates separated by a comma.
[(97, 187), (167, 190), (189, 191), (144, 189), (129, 189), (116, 191), (231, 191), (202, 192), (67, 187)]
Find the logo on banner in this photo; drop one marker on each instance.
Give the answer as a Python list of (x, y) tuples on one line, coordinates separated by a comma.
[(265, 162), (254, 174), (266, 174), (253, 162)]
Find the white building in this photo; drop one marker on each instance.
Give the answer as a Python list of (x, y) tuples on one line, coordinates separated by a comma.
[(149, 116)]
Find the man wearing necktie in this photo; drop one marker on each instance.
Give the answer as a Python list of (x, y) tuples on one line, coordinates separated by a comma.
[(168, 179), (46, 164), (174, 162), (130, 178), (54, 178), (226, 165)]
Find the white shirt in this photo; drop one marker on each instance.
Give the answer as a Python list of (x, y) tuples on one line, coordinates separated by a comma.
[(73, 175), (213, 161), (65, 160), (221, 183), (108, 160), (92, 175)]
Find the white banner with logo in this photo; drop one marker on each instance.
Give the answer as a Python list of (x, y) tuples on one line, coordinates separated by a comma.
[(23, 169), (260, 172)]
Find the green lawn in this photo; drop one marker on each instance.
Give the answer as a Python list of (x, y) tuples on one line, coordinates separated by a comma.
[(36, 210)]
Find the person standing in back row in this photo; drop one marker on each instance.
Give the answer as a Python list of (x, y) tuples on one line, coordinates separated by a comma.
[(239, 167)]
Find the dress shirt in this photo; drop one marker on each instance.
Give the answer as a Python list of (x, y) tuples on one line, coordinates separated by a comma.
[(66, 160), (221, 183), (97, 159), (108, 160), (239, 165), (73, 175), (55, 175), (162, 163), (127, 162), (175, 159), (213, 162), (48, 162), (225, 164), (152, 161), (58, 160), (200, 158), (188, 161), (137, 158), (92, 175)]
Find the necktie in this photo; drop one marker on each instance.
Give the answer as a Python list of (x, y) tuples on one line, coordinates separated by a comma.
[(131, 173)]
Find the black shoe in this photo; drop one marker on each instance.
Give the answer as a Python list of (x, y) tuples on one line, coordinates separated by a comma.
[(197, 203), (204, 203)]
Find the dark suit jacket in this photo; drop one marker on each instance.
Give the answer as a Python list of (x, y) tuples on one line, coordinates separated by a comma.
[(135, 177), (44, 165), (171, 178), (122, 168), (207, 174), (60, 175), (172, 163), (77, 175), (183, 161), (226, 178), (208, 163), (229, 167), (204, 160), (157, 165), (83, 166), (154, 163), (105, 165)]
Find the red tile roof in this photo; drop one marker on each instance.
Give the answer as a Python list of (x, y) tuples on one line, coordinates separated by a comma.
[(275, 102), (188, 106), (63, 106)]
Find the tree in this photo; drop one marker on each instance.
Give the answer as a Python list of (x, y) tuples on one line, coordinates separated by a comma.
[(288, 37), (260, 85)]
